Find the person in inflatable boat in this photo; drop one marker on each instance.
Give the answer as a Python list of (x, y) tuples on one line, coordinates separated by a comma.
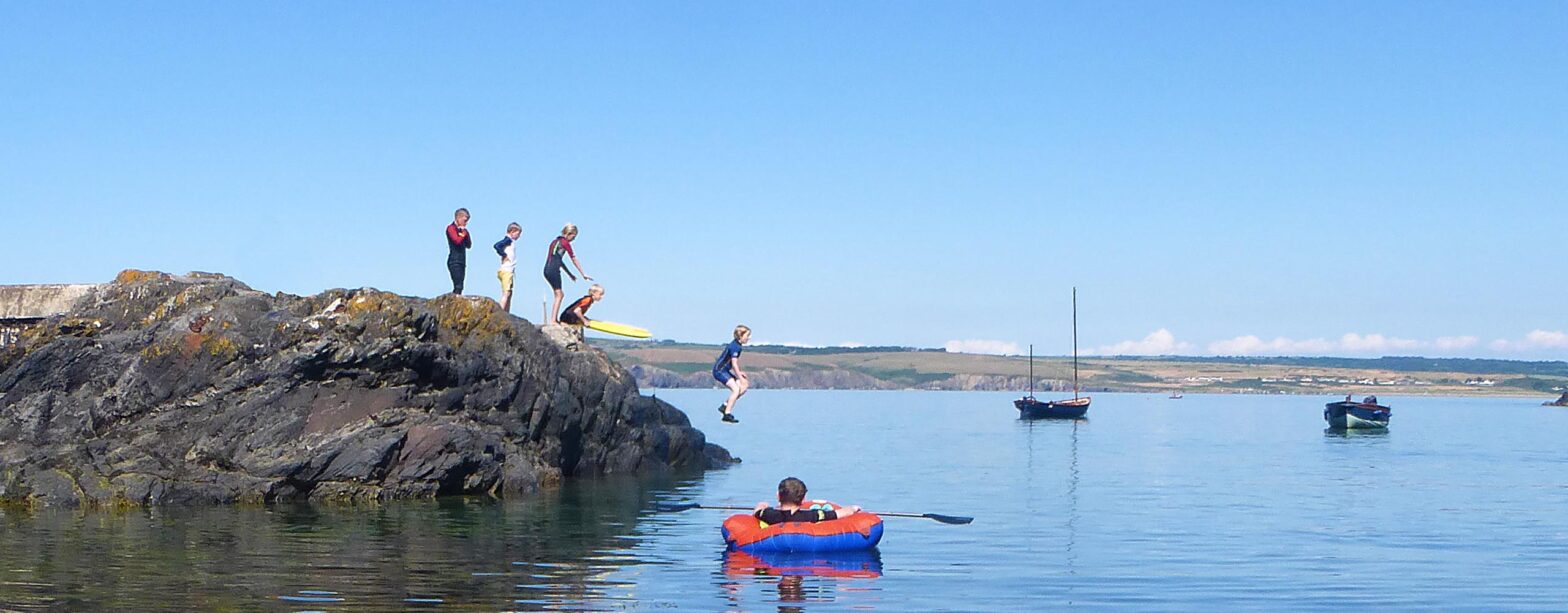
[(792, 494)]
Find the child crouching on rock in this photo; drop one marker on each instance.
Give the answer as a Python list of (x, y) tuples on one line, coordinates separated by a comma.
[(577, 313), (792, 493)]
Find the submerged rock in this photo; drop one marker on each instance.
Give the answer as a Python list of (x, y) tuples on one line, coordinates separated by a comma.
[(161, 389)]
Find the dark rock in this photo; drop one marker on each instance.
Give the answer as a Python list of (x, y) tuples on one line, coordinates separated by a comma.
[(158, 389), (1560, 402)]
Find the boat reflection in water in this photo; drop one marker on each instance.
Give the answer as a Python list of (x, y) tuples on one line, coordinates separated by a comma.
[(803, 577), (843, 564)]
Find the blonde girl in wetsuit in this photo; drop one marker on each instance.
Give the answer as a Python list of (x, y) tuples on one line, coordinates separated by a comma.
[(554, 264)]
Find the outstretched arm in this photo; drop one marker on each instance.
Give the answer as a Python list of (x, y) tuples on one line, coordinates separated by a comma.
[(580, 271)]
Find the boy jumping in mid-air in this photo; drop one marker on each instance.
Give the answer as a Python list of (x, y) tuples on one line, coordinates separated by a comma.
[(577, 313), (507, 249), (728, 373), (792, 493), (457, 242)]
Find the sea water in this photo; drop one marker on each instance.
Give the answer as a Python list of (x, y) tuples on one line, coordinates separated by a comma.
[(1229, 502)]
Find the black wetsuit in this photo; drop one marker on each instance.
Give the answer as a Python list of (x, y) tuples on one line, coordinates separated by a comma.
[(457, 242), (773, 515), (568, 317), (553, 262)]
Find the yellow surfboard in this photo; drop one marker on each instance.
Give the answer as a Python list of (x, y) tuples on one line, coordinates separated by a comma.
[(611, 327)]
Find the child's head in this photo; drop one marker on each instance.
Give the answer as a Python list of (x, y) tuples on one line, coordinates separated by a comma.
[(460, 216), (792, 491), (742, 333), (513, 230), (569, 231), (596, 292)]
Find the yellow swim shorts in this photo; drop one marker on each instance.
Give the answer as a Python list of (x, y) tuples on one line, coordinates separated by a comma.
[(506, 279)]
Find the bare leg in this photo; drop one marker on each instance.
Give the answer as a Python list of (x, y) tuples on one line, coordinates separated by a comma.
[(556, 308), (506, 301), (738, 387)]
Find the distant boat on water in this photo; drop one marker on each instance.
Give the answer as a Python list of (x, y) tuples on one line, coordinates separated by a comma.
[(1348, 414), (1031, 408), (1175, 395)]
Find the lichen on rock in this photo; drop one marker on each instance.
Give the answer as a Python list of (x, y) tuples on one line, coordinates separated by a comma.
[(162, 389)]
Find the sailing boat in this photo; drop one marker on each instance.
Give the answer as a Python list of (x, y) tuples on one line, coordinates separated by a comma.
[(1030, 408)]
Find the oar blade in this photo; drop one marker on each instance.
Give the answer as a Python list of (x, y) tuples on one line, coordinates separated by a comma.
[(948, 519), (676, 508)]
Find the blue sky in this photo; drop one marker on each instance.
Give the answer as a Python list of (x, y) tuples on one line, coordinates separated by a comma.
[(1318, 178)]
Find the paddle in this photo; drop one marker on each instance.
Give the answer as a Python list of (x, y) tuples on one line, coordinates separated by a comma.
[(946, 519)]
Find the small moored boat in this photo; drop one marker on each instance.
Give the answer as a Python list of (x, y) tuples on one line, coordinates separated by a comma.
[(857, 532), (1031, 408), (1348, 414)]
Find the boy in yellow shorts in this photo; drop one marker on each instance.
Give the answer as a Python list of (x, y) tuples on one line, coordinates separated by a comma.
[(507, 249)]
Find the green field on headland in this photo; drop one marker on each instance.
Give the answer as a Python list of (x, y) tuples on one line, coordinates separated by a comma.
[(674, 364)]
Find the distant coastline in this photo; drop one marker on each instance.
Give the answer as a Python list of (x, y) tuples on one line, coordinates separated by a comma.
[(670, 364)]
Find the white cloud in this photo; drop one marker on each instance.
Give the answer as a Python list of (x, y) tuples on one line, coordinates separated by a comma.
[(1536, 339), (1454, 343), (786, 344), (1158, 342), (1351, 343), (982, 346), (1374, 343), (851, 344), (1252, 345)]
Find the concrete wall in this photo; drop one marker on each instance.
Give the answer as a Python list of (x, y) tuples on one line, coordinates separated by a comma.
[(25, 305)]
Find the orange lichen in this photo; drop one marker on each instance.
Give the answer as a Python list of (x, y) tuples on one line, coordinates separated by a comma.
[(466, 318), (131, 276)]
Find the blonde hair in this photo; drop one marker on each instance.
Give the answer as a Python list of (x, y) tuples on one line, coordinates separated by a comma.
[(513, 226), (569, 230), (741, 330), (596, 288)]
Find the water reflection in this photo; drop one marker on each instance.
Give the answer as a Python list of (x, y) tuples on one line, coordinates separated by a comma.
[(557, 549), (1049, 428), (1355, 433), (795, 579)]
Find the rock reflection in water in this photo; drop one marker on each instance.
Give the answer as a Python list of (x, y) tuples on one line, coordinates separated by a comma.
[(554, 549)]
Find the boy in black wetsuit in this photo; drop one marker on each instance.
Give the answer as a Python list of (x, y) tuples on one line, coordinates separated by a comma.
[(457, 243), (792, 492), (576, 314)]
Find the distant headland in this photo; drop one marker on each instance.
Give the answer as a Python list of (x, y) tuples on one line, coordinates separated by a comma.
[(669, 364)]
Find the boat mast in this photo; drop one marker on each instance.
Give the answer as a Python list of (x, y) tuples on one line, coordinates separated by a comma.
[(1031, 371), (1075, 343)]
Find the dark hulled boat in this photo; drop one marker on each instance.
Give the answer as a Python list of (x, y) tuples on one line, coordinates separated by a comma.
[(1031, 408), (1347, 414)]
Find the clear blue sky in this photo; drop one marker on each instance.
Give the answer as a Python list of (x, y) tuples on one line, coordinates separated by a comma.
[(901, 173)]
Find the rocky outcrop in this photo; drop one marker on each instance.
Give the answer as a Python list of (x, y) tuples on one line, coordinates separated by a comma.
[(162, 389), (1560, 402)]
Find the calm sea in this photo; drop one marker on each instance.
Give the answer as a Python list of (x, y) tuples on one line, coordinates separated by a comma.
[(1208, 502)]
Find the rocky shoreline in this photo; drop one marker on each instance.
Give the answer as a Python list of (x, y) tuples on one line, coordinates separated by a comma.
[(164, 389)]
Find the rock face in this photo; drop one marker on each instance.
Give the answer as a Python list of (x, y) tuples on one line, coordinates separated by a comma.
[(159, 389), (1560, 402)]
